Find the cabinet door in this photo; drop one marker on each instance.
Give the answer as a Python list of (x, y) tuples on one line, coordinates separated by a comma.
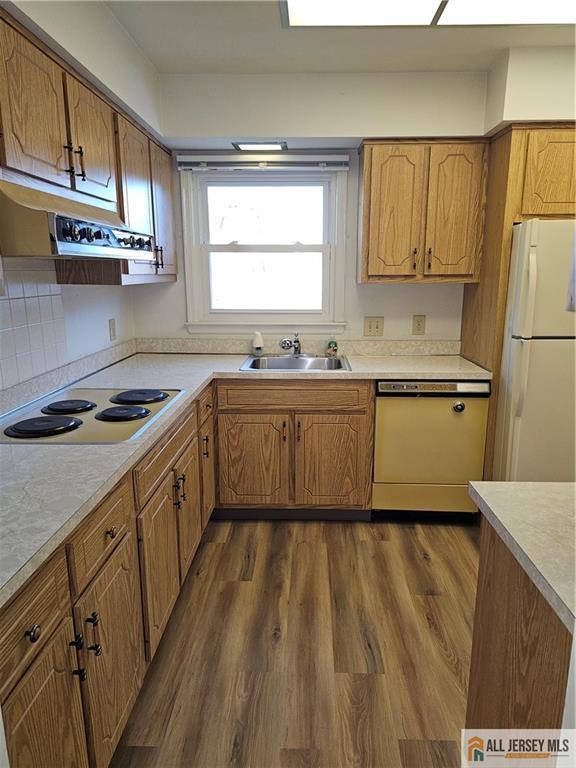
[(455, 209), (397, 208), (158, 536), (92, 137), (43, 714), (207, 459), (550, 181), (33, 113), (254, 458), (109, 614), (135, 174), (164, 235), (332, 461), (189, 515)]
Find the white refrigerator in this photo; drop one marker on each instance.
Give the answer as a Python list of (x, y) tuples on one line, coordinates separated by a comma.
[(535, 427)]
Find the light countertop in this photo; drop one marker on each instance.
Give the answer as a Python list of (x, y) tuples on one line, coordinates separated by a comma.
[(47, 490), (536, 521)]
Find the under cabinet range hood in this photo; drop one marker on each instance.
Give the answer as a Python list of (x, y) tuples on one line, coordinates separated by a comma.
[(35, 223)]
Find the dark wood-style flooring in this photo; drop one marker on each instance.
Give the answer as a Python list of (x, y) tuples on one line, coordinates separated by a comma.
[(313, 645)]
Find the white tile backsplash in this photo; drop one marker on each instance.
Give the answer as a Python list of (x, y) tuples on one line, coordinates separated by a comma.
[(32, 326)]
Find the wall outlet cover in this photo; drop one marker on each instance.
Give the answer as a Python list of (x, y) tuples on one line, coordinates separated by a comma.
[(373, 326), (418, 325), (112, 328)]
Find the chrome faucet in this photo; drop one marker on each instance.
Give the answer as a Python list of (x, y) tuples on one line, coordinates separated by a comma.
[(293, 344)]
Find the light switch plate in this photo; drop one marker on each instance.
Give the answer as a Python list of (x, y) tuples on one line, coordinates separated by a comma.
[(112, 328), (373, 326), (418, 325)]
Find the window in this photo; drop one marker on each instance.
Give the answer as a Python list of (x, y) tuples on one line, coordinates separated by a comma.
[(263, 248)]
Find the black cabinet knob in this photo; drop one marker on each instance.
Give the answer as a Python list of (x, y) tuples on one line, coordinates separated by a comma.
[(33, 634)]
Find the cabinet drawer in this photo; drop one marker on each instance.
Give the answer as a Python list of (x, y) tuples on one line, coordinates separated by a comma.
[(41, 604), (97, 537), (321, 395), (160, 459), (205, 405)]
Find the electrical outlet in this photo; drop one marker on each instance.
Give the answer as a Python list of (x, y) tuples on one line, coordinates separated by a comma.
[(112, 328), (418, 325), (373, 326)]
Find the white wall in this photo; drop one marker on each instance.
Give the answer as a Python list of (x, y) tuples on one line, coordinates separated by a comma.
[(325, 105), (541, 84), (90, 33), (531, 84)]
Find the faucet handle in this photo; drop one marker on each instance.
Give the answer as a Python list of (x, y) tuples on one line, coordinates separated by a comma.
[(286, 344)]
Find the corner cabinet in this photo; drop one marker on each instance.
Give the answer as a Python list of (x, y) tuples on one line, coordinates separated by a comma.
[(422, 211), (295, 445)]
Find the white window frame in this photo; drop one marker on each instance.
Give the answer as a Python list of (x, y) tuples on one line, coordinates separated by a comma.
[(200, 317)]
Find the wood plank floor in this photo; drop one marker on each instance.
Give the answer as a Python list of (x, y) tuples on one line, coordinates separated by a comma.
[(313, 645)]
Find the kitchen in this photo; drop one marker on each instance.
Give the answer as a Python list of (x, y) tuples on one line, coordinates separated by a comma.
[(263, 501)]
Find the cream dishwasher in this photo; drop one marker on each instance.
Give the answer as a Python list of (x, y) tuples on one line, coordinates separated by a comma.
[(429, 443)]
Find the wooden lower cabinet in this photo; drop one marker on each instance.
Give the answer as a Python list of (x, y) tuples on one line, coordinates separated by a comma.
[(208, 469), (188, 505), (109, 615), (159, 561), (332, 460), (43, 714), (254, 458)]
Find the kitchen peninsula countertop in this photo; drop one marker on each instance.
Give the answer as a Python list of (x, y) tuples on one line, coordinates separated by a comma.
[(536, 521), (47, 490)]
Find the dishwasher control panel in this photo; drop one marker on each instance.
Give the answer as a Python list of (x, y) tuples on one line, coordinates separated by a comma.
[(446, 388)]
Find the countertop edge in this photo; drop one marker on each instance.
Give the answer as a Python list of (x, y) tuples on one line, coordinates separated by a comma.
[(528, 566)]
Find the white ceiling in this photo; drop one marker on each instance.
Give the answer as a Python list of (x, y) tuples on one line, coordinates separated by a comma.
[(246, 37)]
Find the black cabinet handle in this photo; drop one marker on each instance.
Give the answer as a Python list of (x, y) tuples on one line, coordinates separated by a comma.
[(96, 649), (93, 619), (205, 452), (78, 642), (81, 672), (112, 532)]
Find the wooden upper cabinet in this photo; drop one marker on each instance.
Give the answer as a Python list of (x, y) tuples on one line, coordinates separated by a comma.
[(188, 506), (423, 211), (332, 461), (43, 714), (455, 213), (159, 558), (397, 190), (162, 198), (134, 163), (550, 179), (254, 453), (92, 140), (32, 110), (109, 615)]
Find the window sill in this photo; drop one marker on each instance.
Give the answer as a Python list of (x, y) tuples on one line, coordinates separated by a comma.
[(206, 327)]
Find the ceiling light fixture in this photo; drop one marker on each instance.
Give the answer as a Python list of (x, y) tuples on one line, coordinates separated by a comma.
[(508, 12), (260, 146), (360, 13), (423, 13)]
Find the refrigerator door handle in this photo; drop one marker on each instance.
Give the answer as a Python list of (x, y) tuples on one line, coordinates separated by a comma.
[(530, 301), (523, 377)]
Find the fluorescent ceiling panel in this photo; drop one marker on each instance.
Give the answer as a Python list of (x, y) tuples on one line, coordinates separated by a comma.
[(494, 12), (263, 146), (361, 13)]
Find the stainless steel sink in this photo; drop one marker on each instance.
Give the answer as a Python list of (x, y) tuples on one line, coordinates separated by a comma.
[(295, 363)]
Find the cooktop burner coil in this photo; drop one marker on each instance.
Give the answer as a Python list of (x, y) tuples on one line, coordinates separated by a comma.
[(42, 426), (123, 413), (139, 396)]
